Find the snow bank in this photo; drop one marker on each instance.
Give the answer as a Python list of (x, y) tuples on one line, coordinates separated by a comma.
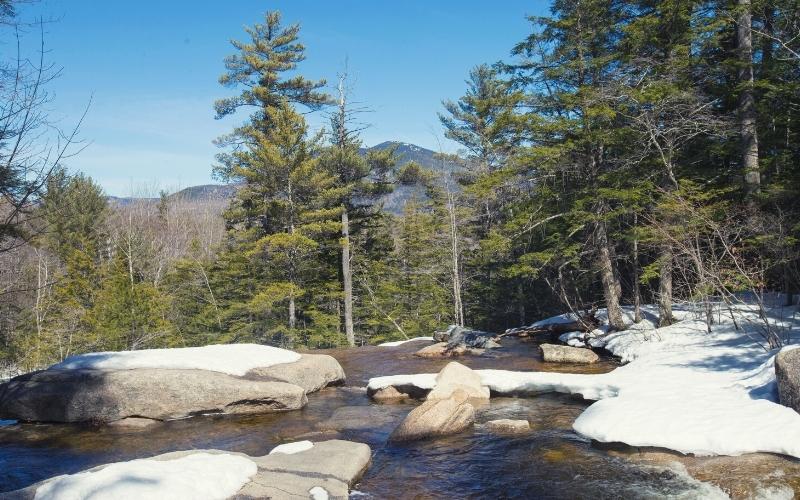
[(233, 359), (292, 448), (198, 476), (682, 388), (401, 342)]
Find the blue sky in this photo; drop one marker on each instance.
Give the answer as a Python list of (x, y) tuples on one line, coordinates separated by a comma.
[(151, 68)]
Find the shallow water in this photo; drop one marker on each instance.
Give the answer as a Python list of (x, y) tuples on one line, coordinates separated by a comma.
[(552, 461)]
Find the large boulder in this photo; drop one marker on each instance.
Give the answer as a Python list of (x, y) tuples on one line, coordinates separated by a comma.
[(457, 377), (456, 336), (553, 353), (107, 395), (787, 373), (312, 372), (326, 469), (435, 418), (442, 350)]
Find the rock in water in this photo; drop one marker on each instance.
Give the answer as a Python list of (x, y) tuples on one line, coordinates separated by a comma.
[(441, 350), (107, 394), (787, 373), (456, 336), (457, 377), (436, 418), (328, 468), (553, 353), (508, 426), (82, 395)]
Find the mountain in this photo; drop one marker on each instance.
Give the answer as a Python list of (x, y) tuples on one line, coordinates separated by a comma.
[(393, 202)]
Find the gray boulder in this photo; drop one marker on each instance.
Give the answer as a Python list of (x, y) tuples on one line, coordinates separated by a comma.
[(457, 377), (508, 426), (553, 353), (312, 372), (107, 395), (333, 466), (456, 336), (435, 418), (787, 374)]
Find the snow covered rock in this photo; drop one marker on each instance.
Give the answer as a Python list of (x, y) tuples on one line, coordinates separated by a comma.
[(508, 426), (566, 354), (787, 374), (107, 395), (454, 377), (435, 418), (166, 384), (331, 467)]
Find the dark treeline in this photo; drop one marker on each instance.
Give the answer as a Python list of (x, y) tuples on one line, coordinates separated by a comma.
[(627, 152)]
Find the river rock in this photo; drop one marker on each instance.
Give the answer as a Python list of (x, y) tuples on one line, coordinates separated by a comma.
[(78, 395), (787, 373), (389, 394), (440, 350), (508, 426), (456, 336), (328, 468), (457, 377), (312, 372), (553, 353), (434, 418)]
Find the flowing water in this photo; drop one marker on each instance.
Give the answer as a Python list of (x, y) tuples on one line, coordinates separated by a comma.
[(551, 461)]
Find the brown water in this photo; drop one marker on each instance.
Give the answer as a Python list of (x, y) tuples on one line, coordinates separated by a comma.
[(550, 462)]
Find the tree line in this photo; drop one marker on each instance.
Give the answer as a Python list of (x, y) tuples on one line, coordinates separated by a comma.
[(627, 152)]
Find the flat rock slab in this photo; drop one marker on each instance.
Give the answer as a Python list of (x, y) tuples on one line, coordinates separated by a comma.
[(81, 395), (359, 417), (333, 466), (553, 353), (787, 374)]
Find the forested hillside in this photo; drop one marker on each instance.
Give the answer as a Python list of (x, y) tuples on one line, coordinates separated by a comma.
[(625, 152)]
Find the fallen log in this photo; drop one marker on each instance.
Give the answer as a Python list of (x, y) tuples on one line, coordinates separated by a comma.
[(586, 323)]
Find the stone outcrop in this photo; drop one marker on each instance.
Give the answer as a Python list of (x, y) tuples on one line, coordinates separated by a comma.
[(456, 336), (787, 374), (457, 377), (435, 418), (108, 395), (553, 353), (328, 468)]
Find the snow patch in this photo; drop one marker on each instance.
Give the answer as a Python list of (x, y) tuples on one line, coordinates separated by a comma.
[(193, 477), (233, 359), (292, 448), (401, 342), (318, 493)]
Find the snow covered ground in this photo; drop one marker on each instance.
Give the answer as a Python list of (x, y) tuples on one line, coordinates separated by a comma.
[(193, 477), (233, 359), (292, 448), (682, 388), (401, 342)]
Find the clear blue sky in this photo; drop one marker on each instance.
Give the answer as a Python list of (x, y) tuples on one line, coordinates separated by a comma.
[(151, 69)]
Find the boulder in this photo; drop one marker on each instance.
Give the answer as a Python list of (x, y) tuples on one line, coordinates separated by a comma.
[(312, 372), (389, 394), (553, 353), (508, 426), (443, 350), (457, 377), (787, 374), (328, 469), (77, 395), (434, 418), (456, 336)]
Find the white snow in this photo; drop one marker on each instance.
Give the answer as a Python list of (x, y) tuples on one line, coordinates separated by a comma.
[(292, 448), (199, 476), (318, 493), (233, 359), (682, 388), (4, 423), (401, 342)]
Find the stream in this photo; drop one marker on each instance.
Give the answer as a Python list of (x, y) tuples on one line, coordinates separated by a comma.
[(551, 461)]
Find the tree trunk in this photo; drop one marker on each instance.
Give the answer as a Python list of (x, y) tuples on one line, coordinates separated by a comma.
[(292, 314), (611, 287), (347, 281), (665, 287), (458, 307), (747, 104), (637, 299)]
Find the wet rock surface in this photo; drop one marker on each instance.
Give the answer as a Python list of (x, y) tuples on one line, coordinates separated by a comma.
[(440, 417), (508, 426)]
